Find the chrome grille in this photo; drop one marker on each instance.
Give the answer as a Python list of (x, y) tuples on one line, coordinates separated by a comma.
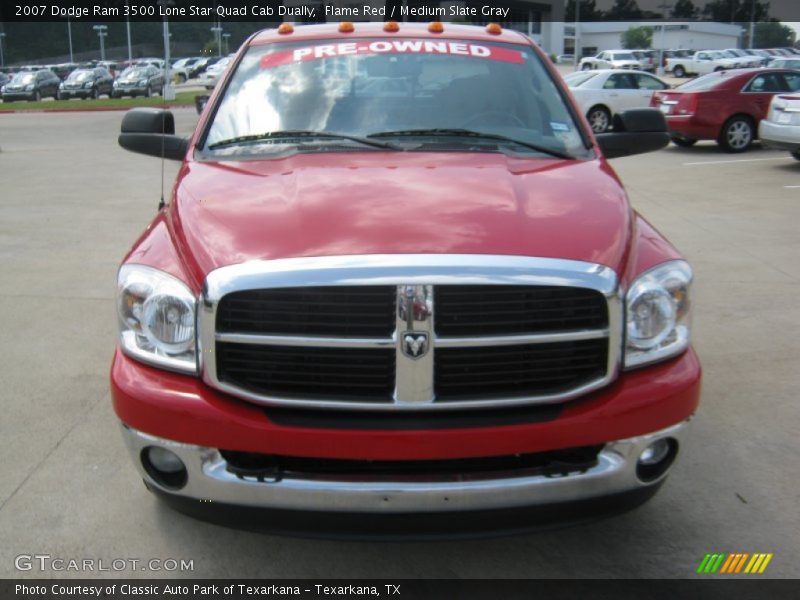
[(438, 331)]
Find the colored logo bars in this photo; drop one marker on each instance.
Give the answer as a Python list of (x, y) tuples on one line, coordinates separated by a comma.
[(734, 563)]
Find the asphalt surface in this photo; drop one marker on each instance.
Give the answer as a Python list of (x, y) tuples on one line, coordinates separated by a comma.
[(71, 204)]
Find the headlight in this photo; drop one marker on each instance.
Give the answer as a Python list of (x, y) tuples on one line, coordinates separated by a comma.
[(143, 82), (88, 84), (657, 314), (157, 318), (29, 88)]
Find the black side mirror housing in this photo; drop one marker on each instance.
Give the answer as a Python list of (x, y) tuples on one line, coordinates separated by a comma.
[(635, 132), (200, 103), (151, 131)]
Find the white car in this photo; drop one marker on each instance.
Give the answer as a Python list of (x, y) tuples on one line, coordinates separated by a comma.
[(611, 59), (603, 94), (781, 128), (211, 75)]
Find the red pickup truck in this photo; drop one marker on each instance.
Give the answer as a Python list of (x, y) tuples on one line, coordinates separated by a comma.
[(398, 289)]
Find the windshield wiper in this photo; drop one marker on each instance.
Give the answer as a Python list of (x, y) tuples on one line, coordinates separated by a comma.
[(444, 132), (300, 134)]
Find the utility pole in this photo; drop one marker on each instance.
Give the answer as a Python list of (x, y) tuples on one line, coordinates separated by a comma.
[(227, 37), (752, 24), (101, 33)]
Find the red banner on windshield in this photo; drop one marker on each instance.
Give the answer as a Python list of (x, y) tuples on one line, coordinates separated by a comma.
[(375, 47)]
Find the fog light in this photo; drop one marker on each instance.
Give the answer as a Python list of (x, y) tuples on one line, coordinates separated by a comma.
[(164, 467), (656, 459), (655, 452), (164, 460)]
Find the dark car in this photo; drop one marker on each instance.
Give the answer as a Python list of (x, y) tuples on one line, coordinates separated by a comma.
[(725, 106), (86, 83), (31, 85), (139, 80)]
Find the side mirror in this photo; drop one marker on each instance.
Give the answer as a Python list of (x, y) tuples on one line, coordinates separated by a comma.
[(151, 131), (200, 103), (635, 132)]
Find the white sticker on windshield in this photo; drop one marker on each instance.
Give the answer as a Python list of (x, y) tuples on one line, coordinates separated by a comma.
[(559, 126)]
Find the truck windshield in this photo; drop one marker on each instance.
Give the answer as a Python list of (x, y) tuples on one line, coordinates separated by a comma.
[(408, 93)]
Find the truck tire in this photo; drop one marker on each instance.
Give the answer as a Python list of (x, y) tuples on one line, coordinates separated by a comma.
[(737, 134), (718, 69), (679, 72), (599, 119), (586, 67), (682, 141)]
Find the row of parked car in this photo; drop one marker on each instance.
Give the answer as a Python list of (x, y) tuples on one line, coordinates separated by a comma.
[(733, 107), (140, 77), (682, 63)]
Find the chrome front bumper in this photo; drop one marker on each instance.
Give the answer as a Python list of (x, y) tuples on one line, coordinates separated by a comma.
[(209, 481)]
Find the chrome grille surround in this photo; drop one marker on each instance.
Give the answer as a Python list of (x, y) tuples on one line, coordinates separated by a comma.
[(416, 275)]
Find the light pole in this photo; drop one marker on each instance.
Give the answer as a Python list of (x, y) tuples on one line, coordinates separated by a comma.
[(660, 68), (169, 91), (128, 31), (2, 58), (217, 29), (101, 33), (226, 37), (577, 34), (69, 37)]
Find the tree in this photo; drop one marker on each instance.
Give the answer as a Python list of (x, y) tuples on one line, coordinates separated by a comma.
[(684, 9), (588, 11), (737, 11), (637, 37), (773, 35), (624, 10)]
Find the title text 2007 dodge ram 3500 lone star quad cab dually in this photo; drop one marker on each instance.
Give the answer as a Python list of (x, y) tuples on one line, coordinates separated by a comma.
[(398, 288)]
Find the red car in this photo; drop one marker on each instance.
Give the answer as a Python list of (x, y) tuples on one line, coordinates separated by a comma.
[(725, 106), (399, 286)]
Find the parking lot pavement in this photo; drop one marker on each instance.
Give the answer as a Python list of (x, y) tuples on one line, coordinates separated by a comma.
[(72, 202)]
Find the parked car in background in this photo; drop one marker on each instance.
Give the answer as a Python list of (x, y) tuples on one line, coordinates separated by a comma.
[(701, 63), (565, 59), (786, 63), (182, 68), (726, 106), (202, 64), (605, 93), (647, 58), (211, 75), (139, 80), (781, 127), (112, 67), (4, 79), (31, 85), (64, 69), (86, 83), (611, 59), (744, 60)]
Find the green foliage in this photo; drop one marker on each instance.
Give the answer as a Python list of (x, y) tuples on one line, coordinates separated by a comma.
[(624, 10), (181, 99), (637, 37), (588, 11), (737, 11), (684, 9), (773, 35)]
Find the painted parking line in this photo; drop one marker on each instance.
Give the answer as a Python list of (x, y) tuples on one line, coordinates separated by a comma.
[(790, 187), (728, 162)]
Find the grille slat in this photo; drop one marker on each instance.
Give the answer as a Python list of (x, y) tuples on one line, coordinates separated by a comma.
[(301, 373), (538, 309), (313, 311), (459, 376)]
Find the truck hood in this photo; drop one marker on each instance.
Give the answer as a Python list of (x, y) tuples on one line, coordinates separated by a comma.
[(389, 203)]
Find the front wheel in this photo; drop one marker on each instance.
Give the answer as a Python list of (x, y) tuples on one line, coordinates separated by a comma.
[(586, 67), (37, 96), (679, 72), (796, 154), (599, 119), (148, 92), (683, 142), (737, 134)]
